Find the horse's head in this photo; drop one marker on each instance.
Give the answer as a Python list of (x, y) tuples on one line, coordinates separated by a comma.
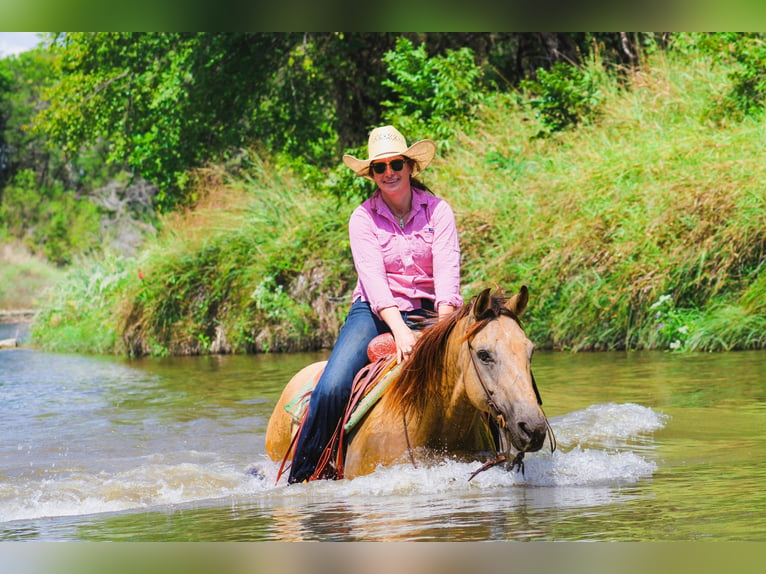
[(497, 371)]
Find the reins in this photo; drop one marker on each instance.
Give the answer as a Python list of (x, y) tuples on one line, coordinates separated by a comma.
[(518, 460), (331, 464), (407, 438)]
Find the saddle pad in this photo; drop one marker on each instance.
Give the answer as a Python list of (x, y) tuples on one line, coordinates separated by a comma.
[(372, 396), (297, 406)]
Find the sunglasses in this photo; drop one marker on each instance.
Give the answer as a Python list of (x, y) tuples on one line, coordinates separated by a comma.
[(396, 165)]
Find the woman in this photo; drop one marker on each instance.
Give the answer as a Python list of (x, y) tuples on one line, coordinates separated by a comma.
[(406, 253)]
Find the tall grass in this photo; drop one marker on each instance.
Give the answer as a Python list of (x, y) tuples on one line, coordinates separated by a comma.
[(652, 203), (252, 268), (642, 228), (79, 316), (24, 278)]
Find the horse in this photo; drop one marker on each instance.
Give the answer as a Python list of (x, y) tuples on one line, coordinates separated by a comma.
[(467, 389)]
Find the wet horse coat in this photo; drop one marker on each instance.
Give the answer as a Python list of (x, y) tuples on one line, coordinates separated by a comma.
[(475, 362)]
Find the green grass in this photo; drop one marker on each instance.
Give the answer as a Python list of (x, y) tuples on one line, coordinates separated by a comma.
[(640, 229), (79, 315), (651, 200), (250, 269), (24, 278)]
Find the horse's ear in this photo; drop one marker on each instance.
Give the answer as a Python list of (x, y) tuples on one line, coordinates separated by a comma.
[(518, 302), (482, 302)]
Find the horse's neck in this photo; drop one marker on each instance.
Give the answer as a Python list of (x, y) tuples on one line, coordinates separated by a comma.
[(446, 417)]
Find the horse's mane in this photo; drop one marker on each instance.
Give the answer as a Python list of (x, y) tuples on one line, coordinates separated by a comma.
[(419, 382)]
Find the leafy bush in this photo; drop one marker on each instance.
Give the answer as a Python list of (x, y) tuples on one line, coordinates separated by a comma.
[(673, 326), (48, 219), (746, 96), (431, 95), (566, 95)]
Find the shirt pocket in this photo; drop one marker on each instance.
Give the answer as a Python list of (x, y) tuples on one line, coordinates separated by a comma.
[(422, 248), (391, 249)]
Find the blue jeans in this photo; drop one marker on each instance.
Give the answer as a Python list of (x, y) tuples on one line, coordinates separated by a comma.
[(332, 391)]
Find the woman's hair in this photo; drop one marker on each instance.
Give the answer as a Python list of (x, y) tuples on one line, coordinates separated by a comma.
[(415, 182)]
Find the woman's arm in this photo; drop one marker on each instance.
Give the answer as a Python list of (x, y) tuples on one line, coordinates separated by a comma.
[(446, 260), (368, 260), (446, 311)]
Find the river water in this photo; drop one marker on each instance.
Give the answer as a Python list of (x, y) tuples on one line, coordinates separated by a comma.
[(651, 447)]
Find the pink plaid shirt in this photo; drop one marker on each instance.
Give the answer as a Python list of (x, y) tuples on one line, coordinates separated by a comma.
[(398, 267)]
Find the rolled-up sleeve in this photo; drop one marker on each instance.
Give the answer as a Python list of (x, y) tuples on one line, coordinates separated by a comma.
[(368, 260), (446, 257)]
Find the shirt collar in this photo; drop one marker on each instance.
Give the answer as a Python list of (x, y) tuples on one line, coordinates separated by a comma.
[(418, 199)]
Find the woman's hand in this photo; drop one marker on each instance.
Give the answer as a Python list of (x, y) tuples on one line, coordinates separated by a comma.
[(405, 341), (403, 336), (445, 311)]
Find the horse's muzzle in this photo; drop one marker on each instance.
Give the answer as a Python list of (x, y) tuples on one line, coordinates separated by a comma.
[(529, 435)]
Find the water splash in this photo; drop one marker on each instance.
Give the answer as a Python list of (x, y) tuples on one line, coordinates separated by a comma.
[(608, 425), (146, 486), (619, 436), (601, 447)]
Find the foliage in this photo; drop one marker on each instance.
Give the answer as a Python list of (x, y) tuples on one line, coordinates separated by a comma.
[(22, 79), (641, 230), (167, 103), (47, 219), (606, 219), (739, 324), (673, 326), (79, 315), (745, 54), (431, 95), (45, 203), (324, 93), (164, 102), (567, 94), (220, 280)]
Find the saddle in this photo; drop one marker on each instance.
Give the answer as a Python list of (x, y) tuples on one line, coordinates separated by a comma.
[(369, 385)]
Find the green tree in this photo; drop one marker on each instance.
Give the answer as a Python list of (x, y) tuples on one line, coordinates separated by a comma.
[(46, 201), (22, 79), (162, 102), (49, 219), (431, 95)]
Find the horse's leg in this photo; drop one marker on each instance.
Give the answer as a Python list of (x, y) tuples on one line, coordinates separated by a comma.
[(280, 429), (379, 440)]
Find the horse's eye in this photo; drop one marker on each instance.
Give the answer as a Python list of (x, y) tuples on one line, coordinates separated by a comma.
[(484, 356)]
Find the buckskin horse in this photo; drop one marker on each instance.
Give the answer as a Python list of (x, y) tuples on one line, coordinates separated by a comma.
[(466, 389)]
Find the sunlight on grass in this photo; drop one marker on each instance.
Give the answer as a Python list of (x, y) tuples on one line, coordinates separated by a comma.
[(656, 199)]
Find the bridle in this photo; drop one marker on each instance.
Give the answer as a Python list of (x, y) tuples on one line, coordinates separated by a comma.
[(518, 461), (503, 433)]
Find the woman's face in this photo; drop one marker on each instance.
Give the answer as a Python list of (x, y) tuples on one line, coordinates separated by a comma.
[(391, 181)]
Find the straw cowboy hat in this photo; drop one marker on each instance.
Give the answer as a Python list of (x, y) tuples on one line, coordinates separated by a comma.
[(386, 142)]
